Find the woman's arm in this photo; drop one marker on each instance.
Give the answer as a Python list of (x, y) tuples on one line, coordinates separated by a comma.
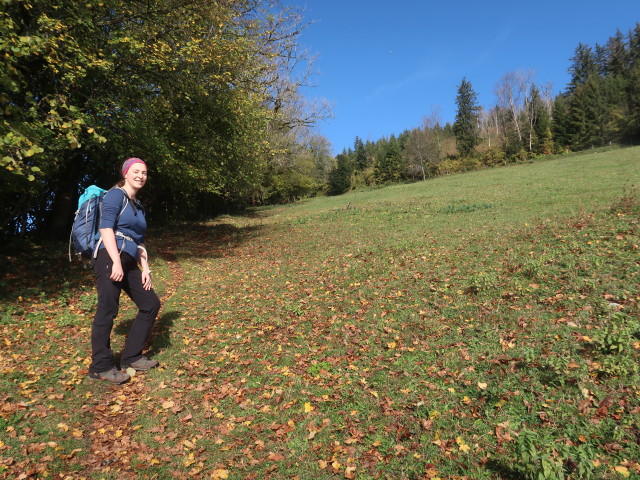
[(110, 244), (144, 263)]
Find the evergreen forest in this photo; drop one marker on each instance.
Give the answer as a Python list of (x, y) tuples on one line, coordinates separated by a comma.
[(209, 93)]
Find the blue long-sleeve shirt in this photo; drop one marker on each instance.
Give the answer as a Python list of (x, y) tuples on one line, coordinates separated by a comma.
[(131, 223)]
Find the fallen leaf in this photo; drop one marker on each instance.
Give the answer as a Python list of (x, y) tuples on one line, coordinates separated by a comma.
[(624, 471), (220, 474)]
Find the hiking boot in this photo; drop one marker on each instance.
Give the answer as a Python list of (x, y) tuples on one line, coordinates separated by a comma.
[(114, 376), (142, 364)]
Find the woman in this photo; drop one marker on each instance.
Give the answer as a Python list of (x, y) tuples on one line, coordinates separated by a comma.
[(120, 250)]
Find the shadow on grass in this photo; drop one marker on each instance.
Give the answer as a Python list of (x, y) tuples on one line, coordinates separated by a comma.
[(41, 268), (505, 472), (205, 241), (159, 338)]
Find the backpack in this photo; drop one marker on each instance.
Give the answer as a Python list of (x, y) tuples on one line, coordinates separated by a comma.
[(85, 232)]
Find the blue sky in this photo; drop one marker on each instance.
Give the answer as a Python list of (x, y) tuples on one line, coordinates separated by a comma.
[(385, 65)]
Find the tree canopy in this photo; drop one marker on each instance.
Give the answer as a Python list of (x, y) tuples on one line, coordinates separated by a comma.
[(202, 90)]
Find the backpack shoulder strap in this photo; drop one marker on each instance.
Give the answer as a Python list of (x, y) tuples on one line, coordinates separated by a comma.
[(125, 201)]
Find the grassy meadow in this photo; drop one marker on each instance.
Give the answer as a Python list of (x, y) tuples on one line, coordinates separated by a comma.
[(476, 326)]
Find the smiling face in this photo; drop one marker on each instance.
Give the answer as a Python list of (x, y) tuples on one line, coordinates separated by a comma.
[(136, 176)]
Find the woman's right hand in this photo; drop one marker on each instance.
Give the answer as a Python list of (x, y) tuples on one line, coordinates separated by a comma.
[(110, 244), (117, 273)]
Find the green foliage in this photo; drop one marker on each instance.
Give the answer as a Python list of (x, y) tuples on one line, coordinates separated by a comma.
[(193, 88), (542, 138), (615, 337), (465, 127), (389, 161), (493, 156), (613, 343), (318, 367), (559, 124), (481, 282), (542, 459), (583, 67), (340, 176)]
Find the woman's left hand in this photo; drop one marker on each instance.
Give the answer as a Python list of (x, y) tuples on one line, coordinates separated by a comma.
[(146, 280)]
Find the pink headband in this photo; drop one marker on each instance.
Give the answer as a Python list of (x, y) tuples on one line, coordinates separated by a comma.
[(127, 164)]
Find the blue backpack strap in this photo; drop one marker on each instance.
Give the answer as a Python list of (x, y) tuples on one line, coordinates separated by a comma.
[(125, 202)]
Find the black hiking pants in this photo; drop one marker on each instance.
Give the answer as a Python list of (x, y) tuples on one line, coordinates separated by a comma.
[(147, 302)]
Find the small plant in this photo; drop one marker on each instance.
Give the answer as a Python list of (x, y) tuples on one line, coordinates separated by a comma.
[(533, 268), (316, 368), (618, 366), (579, 461), (587, 286), (615, 338), (557, 368), (531, 356), (538, 457), (481, 282), (296, 310), (542, 459)]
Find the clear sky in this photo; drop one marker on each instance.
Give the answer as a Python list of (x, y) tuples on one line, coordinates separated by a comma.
[(384, 64)]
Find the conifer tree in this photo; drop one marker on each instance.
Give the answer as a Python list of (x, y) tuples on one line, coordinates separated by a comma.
[(540, 123), (340, 177), (631, 128), (616, 55), (465, 127), (559, 124), (388, 166), (586, 114), (361, 158), (584, 65)]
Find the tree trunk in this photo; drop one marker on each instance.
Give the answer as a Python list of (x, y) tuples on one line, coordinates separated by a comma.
[(63, 207)]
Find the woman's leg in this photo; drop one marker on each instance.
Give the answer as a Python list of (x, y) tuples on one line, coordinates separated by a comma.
[(148, 305), (108, 301)]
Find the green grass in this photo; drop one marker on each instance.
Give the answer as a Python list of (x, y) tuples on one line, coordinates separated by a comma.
[(478, 326)]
